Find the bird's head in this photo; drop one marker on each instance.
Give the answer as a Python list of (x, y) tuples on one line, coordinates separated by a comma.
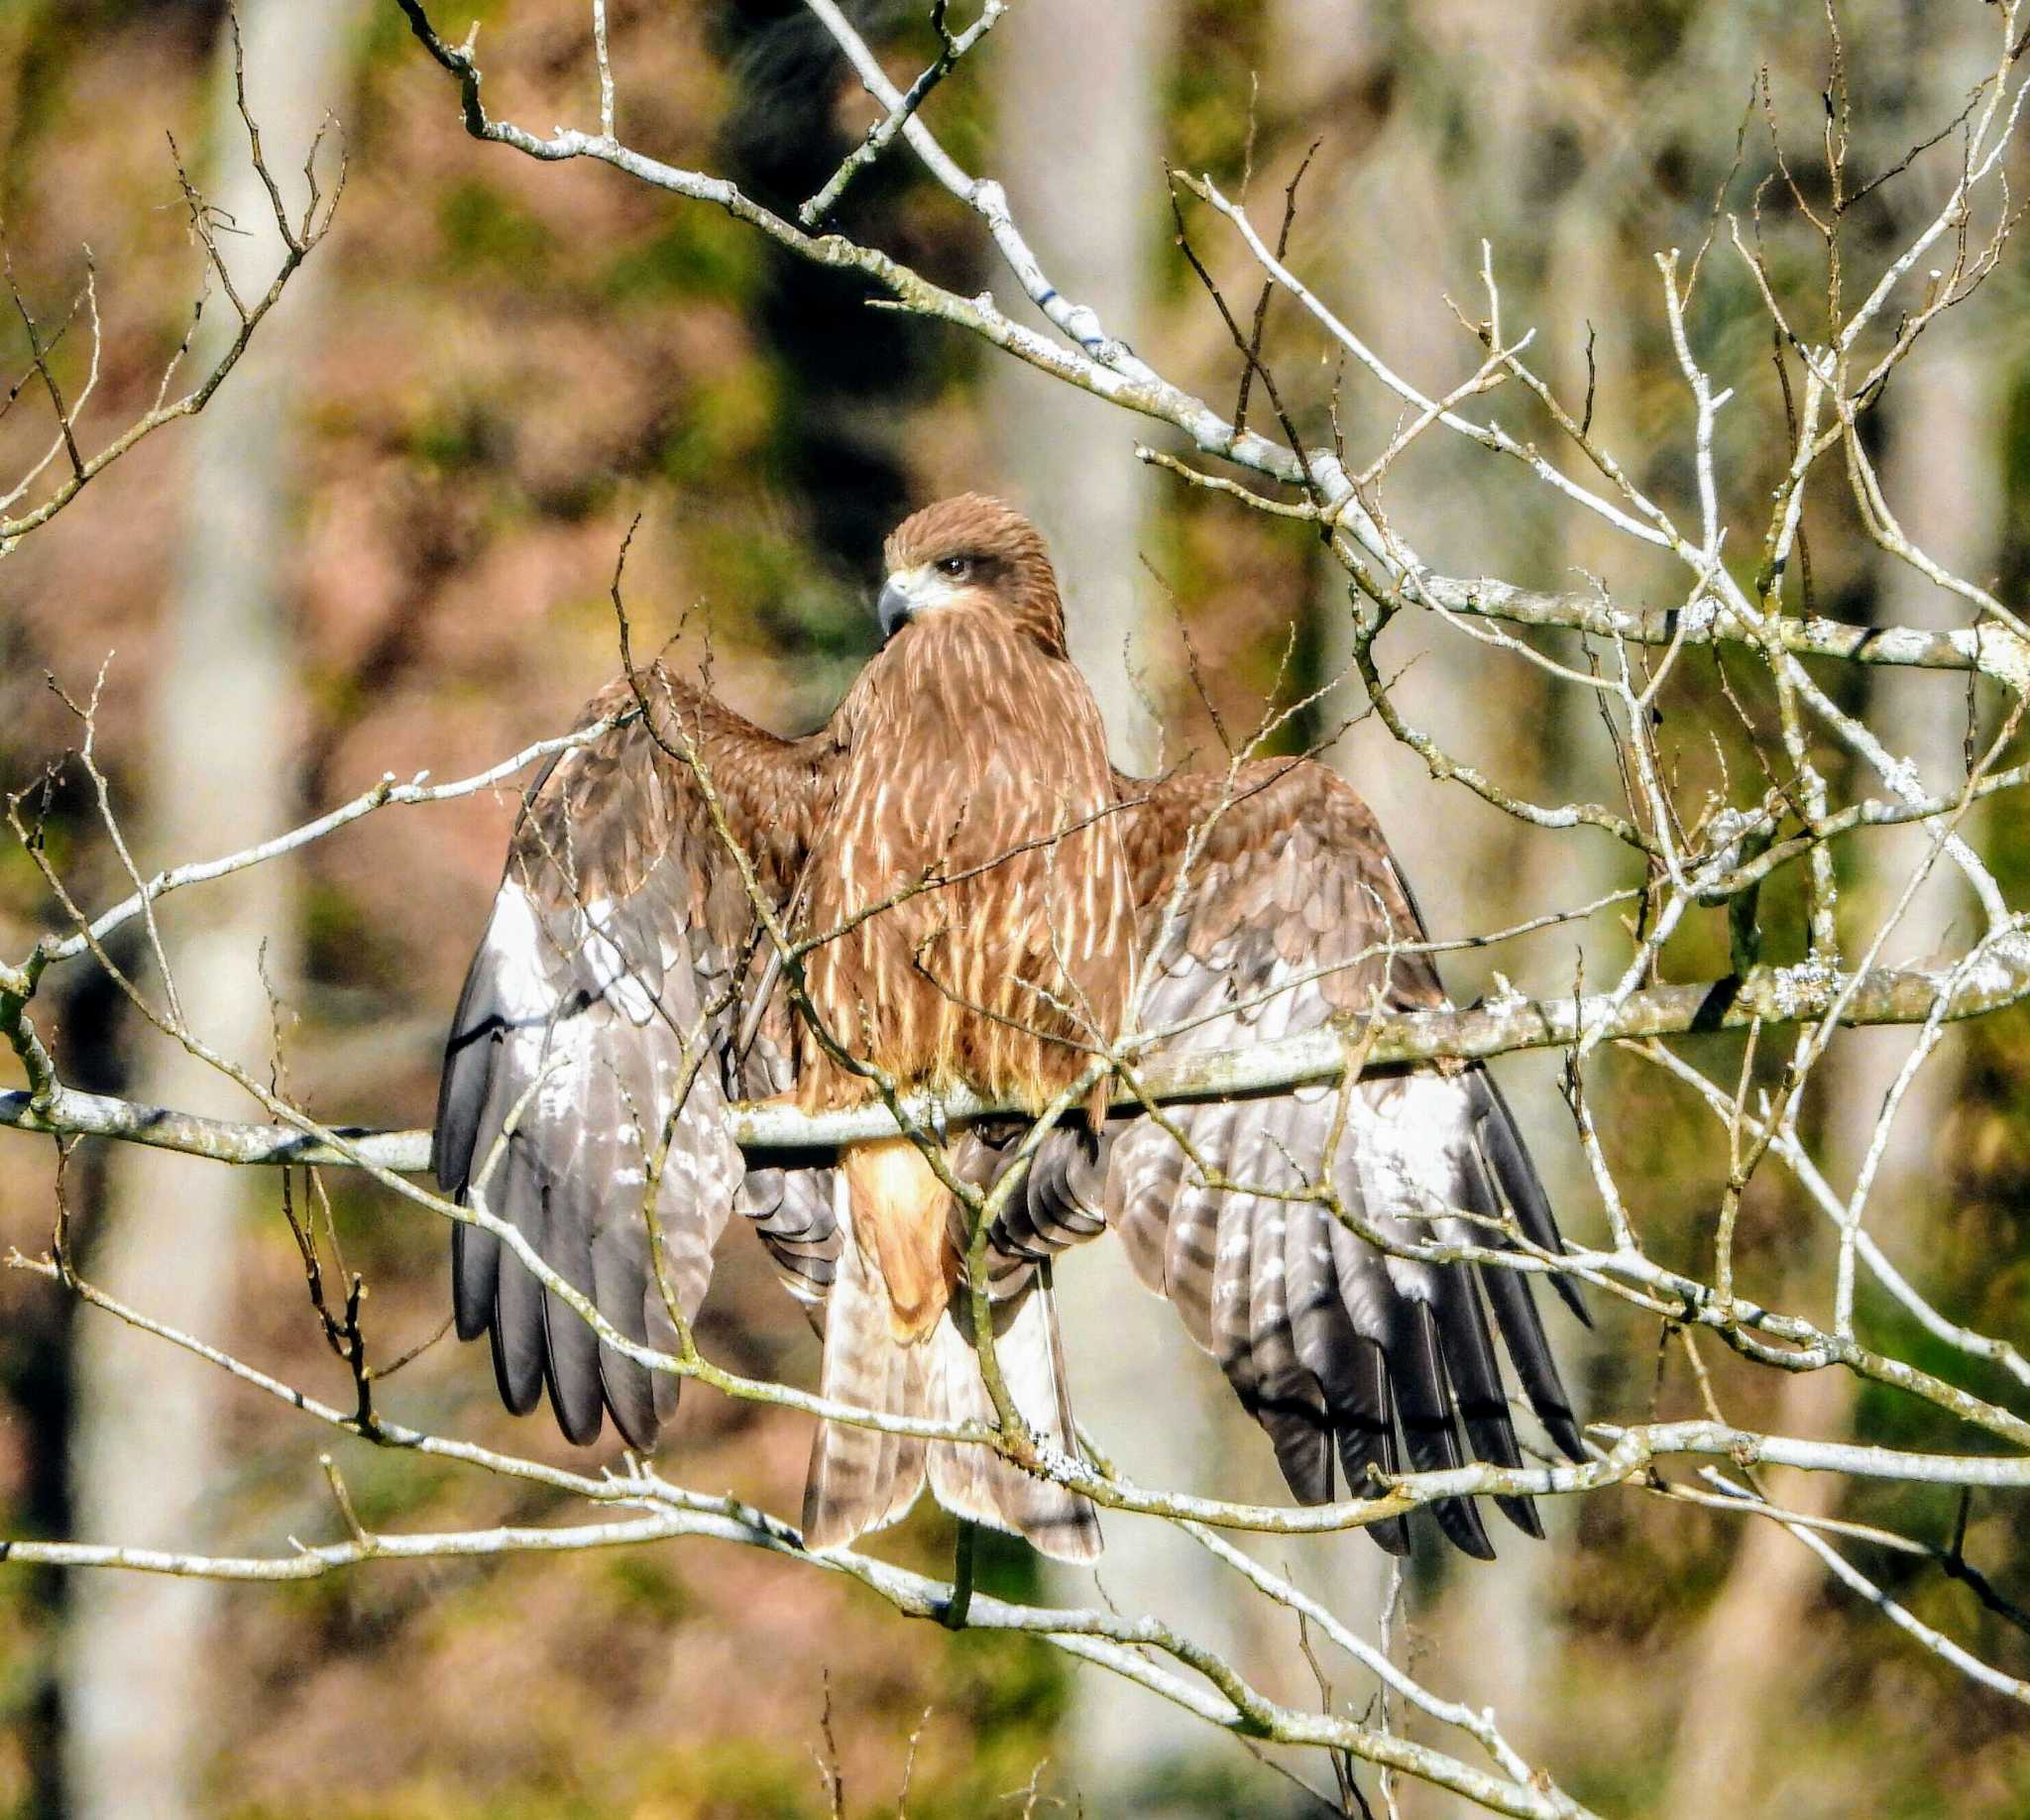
[(975, 553)]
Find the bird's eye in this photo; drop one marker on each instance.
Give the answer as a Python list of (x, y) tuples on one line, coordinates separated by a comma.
[(954, 565)]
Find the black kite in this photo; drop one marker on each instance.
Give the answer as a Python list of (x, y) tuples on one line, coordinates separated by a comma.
[(624, 990)]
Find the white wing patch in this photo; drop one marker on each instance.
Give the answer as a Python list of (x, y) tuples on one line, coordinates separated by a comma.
[(611, 974), (515, 935)]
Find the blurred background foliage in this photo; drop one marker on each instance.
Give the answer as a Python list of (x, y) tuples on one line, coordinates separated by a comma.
[(509, 361)]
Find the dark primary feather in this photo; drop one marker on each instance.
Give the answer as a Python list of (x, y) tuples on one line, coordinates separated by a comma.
[(601, 1007), (1345, 1356)]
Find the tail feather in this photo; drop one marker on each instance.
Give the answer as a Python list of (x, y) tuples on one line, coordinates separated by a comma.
[(862, 1479), (977, 1483)]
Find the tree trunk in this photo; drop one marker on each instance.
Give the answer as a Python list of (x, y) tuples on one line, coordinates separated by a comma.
[(1494, 1627), (1942, 481), (145, 1456), (1081, 153)]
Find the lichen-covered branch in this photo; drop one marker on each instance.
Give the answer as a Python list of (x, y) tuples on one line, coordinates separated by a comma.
[(1770, 997)]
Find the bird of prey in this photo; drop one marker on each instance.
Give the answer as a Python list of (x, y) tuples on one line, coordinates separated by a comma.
[(973, 897)]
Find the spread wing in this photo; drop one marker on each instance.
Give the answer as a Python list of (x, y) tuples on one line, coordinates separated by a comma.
[(1287, 907), (608, 1018)]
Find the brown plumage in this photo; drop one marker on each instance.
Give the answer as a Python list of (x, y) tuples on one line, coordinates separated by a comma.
[(994, 904)]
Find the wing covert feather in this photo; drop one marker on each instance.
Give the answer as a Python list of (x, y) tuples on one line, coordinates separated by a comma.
[(1285, 919)]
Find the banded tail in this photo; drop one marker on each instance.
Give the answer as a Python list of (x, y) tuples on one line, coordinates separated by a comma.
[(897, 1339)]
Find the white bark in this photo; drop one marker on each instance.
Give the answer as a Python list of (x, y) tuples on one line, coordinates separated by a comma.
[(1088, 191), (145, 1452), (1080, 155)]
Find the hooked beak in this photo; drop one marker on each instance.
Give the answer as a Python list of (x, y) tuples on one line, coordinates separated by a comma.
[(893, 609)]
